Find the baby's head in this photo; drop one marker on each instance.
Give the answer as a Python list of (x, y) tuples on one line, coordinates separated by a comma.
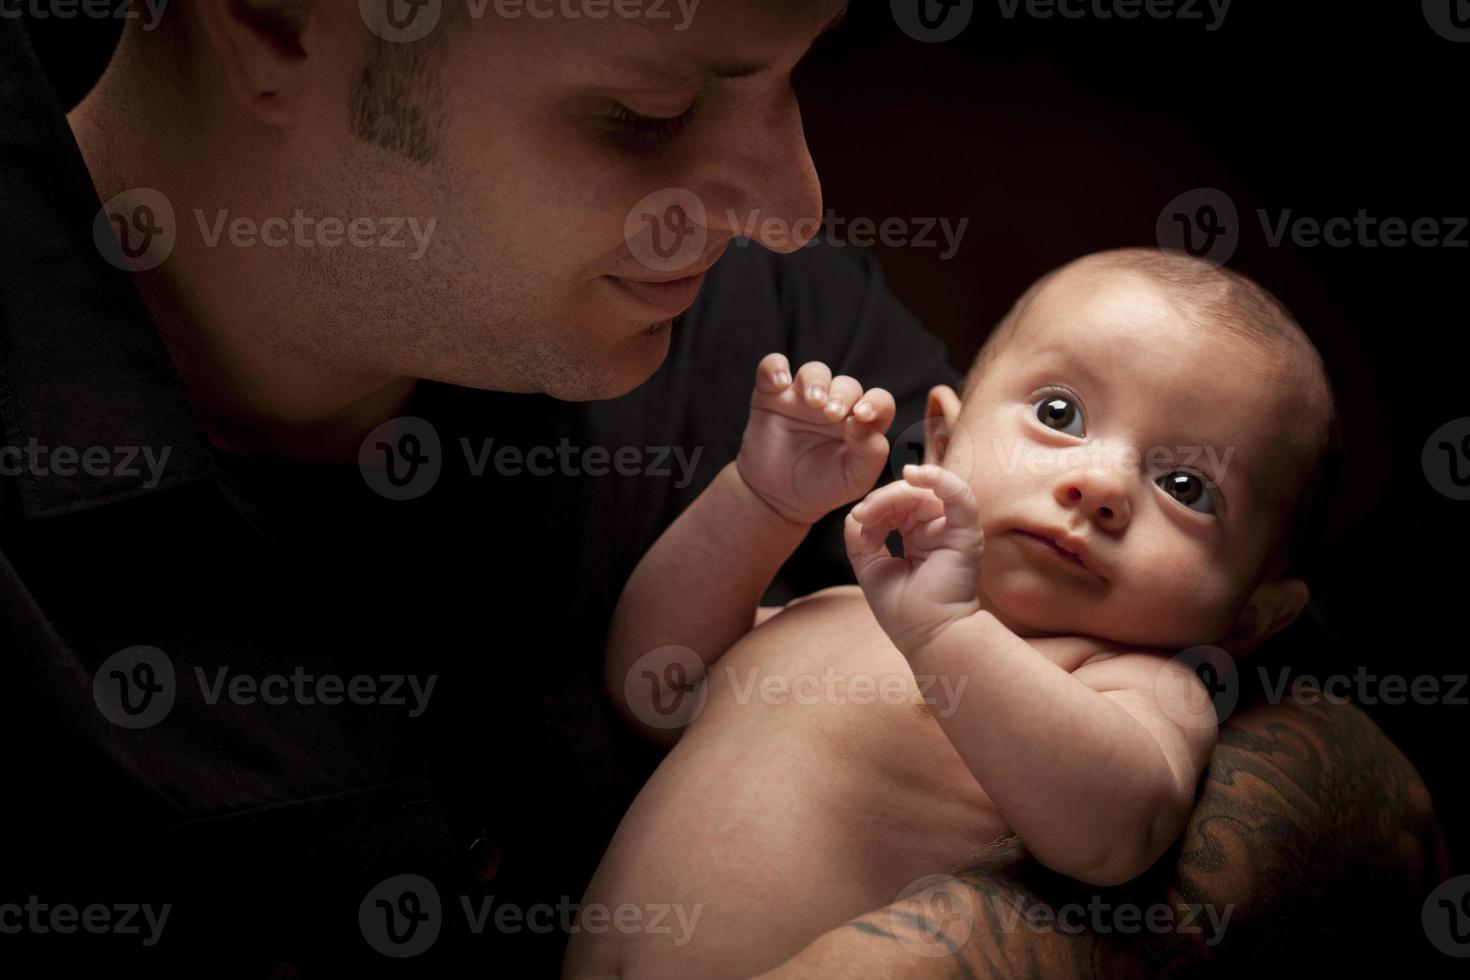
[(1169, 421)]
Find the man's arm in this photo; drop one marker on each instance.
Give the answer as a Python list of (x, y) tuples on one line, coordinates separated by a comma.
[(1312, 845)]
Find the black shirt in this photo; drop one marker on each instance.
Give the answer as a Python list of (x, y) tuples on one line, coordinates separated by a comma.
[(260, 692)]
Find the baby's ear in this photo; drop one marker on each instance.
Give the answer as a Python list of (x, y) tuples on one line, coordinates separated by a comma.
[(1274, 606), (941, 413)]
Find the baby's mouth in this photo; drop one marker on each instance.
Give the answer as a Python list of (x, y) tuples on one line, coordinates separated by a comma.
[(1056, 549)]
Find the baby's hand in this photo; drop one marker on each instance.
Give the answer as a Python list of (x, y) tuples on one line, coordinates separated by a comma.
[(914, 598), (815, 443)]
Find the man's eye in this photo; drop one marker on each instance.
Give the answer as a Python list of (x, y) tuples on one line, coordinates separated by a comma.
[(1189, 490), (650, 130), (1057, 412)]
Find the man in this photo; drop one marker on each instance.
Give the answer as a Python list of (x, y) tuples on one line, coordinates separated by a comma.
[(385, 341)]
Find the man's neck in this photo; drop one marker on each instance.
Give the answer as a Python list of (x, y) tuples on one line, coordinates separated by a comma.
[(259, 402), (237, 342)]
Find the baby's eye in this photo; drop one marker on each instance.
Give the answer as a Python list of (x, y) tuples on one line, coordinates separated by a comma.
[(1057, 412), (1189, 490)]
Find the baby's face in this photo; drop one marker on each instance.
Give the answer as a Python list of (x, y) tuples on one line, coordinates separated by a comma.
[(1151, 445)]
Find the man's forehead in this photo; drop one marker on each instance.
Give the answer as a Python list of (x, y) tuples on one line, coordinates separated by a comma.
[(672, 43)]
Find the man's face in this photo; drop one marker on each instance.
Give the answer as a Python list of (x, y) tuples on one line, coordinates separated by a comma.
[(1111, 421), (542, 274)]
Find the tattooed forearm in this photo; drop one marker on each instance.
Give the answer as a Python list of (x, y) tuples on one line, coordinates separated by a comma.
[(1312, 844)]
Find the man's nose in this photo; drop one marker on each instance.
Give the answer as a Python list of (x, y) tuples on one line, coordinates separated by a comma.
[(766, 188), (1099, 492)]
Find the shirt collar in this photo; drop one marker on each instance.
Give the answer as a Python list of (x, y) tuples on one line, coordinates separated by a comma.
[(87, 389)]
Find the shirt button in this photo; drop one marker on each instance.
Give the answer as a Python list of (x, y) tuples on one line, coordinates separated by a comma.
[(484, 859)]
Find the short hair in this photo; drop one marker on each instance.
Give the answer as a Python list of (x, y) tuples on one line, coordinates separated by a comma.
[(1223, 298), (396, 101)]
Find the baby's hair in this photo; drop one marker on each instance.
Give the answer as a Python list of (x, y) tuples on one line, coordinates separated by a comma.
[(1217, 297)]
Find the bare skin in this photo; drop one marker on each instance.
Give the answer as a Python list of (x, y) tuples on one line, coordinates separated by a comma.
[(747, 826), (244, 107), (753, 817), (1303, 807), (1310, 823), (527, 164)]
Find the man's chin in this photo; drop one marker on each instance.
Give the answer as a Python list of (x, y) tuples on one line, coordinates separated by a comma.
[(643, 359), (623, 368), (664, 328)]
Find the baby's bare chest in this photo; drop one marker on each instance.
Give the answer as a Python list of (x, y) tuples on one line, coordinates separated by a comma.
[(818, 715)]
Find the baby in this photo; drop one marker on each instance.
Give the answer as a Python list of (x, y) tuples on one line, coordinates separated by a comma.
[(1124, 478)]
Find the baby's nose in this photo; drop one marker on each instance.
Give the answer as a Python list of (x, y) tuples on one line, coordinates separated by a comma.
[(1101, 496)]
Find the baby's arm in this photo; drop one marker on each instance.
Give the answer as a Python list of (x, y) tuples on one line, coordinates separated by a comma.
[(813, 443), (1095, 770)]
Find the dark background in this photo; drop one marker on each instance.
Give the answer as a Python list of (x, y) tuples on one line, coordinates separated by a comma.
[(1060, 137), (1057, 138)]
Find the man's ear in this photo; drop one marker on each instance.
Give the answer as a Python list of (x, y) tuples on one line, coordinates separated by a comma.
[(1274, 605), (941, 414), (265, 48)]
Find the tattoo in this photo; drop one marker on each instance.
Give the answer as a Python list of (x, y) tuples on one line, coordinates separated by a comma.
[(1312, 846)]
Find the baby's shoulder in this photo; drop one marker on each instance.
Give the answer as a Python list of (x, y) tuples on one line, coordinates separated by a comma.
[(836, 592), (834, 621), (840, 614)]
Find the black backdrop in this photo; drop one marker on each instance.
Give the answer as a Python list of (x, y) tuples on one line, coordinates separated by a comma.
[(1059, 136)]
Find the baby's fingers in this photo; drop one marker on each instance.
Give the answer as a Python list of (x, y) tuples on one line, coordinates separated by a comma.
[(867, 544), (865, 426), (960, 507), (773, 374), (813, 381), (875, 409), (842, 395), (896, 503)]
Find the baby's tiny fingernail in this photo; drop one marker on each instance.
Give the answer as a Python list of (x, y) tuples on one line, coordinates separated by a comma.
[(816, 393), (835, 406), (783, 378), (864, 410)]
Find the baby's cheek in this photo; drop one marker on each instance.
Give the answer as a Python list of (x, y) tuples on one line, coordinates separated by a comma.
[(1190, 599)]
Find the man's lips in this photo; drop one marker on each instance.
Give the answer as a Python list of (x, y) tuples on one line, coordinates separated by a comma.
[(669, 294), (669, 297), (1069, 549)]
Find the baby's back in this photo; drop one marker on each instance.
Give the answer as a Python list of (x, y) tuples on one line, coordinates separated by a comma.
[(814, 785)]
